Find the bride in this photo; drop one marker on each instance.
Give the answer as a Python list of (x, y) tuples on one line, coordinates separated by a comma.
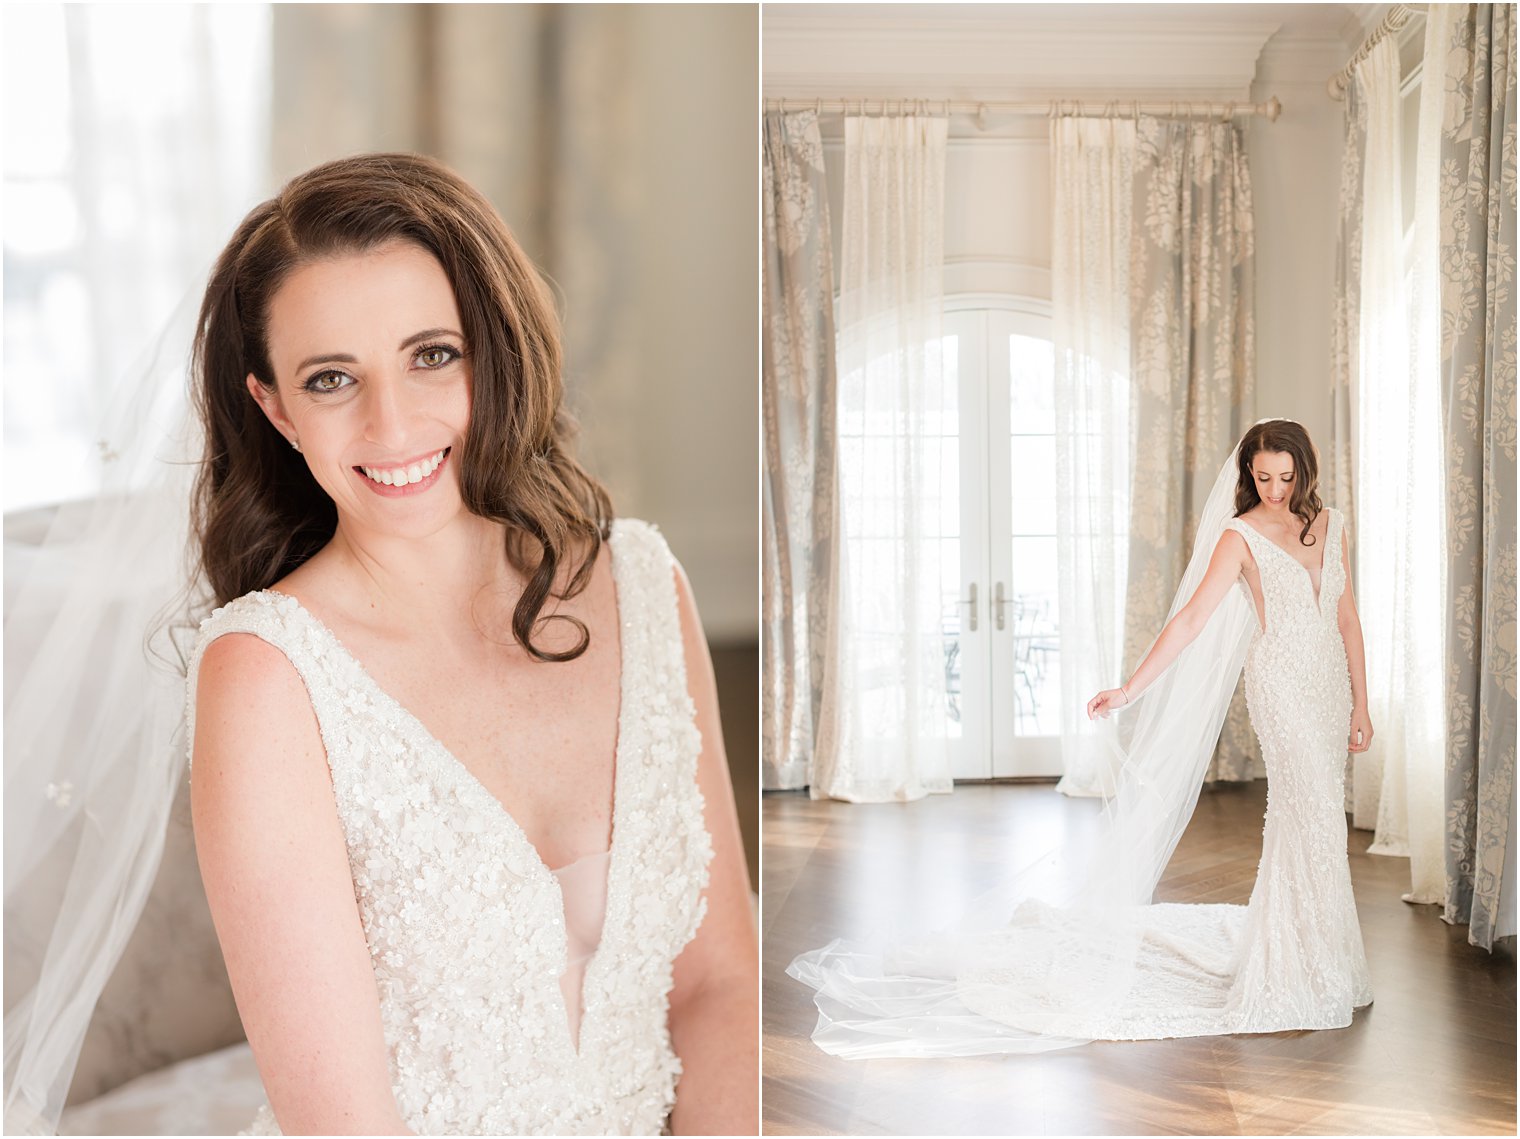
[(1052, 959), (459, 795)]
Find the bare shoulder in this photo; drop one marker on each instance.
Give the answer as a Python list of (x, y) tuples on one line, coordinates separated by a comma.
[(244, 676), (1232, 546), (255, 730)]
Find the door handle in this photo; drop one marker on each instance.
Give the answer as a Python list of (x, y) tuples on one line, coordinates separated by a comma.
[(971, 601), (999, 603)]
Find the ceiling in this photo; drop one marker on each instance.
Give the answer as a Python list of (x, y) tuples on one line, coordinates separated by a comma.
[(1207, 50)]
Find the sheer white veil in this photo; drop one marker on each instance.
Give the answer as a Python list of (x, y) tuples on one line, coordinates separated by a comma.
[(1039, 960), (99, 617)]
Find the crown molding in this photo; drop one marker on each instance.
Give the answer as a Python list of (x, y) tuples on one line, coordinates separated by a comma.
[(882, 53), (1299, 60)]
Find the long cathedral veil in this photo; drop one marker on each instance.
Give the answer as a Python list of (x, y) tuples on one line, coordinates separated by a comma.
[(1045, 957), (97, 622)]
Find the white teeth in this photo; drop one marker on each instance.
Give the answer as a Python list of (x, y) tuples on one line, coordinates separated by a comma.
[(404, 476)]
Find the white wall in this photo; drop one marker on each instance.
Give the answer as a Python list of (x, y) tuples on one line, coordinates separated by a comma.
[(1295, 178)]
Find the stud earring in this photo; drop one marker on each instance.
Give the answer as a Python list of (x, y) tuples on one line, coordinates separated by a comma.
[(296, 443)]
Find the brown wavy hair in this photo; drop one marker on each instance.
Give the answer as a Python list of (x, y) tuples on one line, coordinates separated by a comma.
[(258, 513), (1282, 435)]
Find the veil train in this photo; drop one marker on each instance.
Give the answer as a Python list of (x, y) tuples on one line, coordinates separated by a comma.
[(1045, 958)]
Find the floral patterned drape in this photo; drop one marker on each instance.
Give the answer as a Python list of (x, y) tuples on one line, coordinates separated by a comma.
[(1477, 205), (799, 399), (1338, 458), (1192, 320)]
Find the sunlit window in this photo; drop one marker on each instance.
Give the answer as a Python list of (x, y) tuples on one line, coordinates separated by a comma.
[(136, 136), (1036, 611), (877, 451)]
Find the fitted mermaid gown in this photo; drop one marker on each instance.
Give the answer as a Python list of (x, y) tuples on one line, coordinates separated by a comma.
[(1292, 958), (515, 999)]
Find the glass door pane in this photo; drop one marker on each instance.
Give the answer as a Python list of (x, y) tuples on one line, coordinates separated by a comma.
[(1026, 646), (967, 625)]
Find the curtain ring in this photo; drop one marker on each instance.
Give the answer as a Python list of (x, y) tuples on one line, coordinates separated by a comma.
[(818, 106), (1229, 112), (981, 116)]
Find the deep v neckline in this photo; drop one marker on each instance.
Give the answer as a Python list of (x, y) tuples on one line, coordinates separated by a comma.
[(1325, 545), (467, 778)]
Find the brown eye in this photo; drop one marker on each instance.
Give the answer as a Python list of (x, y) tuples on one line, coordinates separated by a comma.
[(436, 356), (327, 382)]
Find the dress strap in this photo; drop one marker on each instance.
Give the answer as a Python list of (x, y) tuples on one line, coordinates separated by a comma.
[(1245, 531), (650, 625)]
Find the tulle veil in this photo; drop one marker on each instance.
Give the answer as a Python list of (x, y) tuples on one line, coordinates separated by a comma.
[(100, 614), (1040, 960)]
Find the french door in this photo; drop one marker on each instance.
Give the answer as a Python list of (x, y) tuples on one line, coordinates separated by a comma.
[(1002, 625)]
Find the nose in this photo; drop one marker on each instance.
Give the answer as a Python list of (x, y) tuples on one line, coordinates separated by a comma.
[(388, 414)]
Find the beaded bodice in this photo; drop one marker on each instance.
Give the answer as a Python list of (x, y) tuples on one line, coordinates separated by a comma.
[(1293, 608), (465, 923)]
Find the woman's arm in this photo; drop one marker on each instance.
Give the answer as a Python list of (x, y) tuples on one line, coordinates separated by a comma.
[(275, 866), (1225, 565), (1360, 733), (715, 1003)]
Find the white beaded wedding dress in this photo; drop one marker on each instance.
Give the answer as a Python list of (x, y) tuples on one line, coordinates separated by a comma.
[(515, 999), (1100, 962), (1292, 957)]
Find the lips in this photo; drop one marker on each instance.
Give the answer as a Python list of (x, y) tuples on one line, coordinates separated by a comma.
[(404, 479)]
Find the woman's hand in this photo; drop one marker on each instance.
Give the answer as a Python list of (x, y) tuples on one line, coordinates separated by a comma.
[(1106, 701), (1360, 738)]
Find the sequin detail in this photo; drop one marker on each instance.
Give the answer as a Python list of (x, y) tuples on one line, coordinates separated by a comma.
[(465, 924)]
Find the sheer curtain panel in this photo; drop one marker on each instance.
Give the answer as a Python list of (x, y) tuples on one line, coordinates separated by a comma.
[(884, 731), (1396, 783), (1092, 163), (800, 405)]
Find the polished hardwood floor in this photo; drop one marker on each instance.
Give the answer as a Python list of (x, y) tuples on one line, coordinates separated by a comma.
[(1434, 1054)]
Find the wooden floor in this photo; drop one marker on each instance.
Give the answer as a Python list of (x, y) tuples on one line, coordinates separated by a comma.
[(1434, 1054)]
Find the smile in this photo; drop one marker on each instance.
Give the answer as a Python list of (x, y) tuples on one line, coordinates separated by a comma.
[(407, 475)]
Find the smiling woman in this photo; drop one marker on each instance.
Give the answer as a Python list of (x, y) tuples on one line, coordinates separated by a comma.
[(347, 267), (451, 719)]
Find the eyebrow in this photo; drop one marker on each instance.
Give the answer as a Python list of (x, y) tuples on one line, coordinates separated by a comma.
[(344, 358)]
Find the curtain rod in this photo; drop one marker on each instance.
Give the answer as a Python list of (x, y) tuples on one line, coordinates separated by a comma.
[(1398, 16), (1055, 108)]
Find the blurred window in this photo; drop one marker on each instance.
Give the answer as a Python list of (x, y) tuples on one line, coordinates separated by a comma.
[(136, 136)]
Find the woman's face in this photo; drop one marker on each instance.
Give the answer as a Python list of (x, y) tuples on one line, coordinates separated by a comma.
[(373, 380), (1274, 475)]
